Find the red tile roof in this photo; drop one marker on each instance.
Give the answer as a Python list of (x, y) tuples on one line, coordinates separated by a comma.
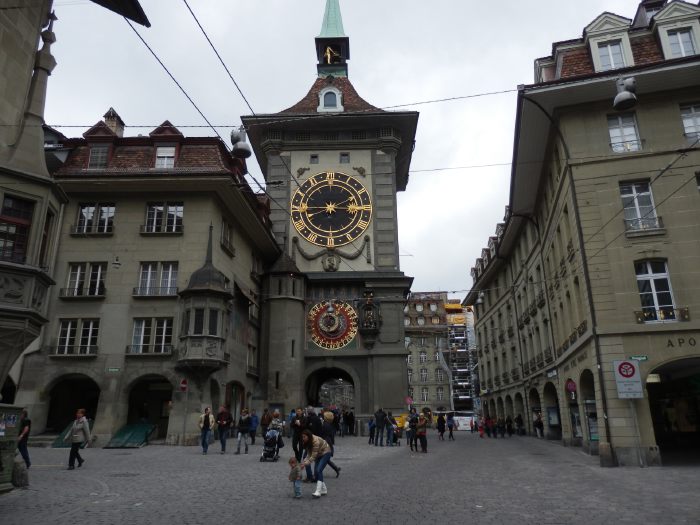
[(352, 102)]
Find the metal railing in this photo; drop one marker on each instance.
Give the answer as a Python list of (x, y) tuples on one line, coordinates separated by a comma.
[(162, 229), (94, 229), (155, 291), (627, 146), (149, 349), (82, 292), (74, 350)]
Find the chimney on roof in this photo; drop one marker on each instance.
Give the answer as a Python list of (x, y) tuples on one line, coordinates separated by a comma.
[(114, 122)]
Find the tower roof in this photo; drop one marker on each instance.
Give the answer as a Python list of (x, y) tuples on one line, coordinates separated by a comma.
[(208, 278), (332, 21)]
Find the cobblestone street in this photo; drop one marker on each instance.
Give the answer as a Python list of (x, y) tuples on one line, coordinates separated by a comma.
[(518, 480)]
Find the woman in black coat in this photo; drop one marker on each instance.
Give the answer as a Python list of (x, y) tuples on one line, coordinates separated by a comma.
[(441, 427)]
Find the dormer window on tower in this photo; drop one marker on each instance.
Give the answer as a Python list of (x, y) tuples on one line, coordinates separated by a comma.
[(165, 157), (330, 100)]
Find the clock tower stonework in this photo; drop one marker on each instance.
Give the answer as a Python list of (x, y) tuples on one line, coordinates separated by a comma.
[(333, 303)]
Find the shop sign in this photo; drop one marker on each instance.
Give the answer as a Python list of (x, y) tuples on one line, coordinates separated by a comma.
[(551, 373), (639, 357), (628, 379), (680, 342)]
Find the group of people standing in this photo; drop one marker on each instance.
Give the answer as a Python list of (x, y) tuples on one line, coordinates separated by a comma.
[(415, 426), (495, 427), (245, 428)]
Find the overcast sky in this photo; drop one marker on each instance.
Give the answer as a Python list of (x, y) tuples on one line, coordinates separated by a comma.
[(402, 52)]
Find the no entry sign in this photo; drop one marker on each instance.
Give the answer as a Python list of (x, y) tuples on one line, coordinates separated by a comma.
[(628, 379), (183, 385)]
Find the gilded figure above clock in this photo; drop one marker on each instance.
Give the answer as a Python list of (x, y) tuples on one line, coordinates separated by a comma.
[(331, 209)]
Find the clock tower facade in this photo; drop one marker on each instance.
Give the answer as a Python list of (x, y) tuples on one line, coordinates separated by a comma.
[(333, 164)]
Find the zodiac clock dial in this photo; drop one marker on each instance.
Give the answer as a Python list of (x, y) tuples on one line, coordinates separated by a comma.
[(331, 209), (332, 324)]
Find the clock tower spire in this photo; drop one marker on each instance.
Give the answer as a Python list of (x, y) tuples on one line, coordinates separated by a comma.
[(332, 45)]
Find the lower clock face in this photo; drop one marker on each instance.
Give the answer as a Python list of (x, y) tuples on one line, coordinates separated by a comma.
[(333, 324)]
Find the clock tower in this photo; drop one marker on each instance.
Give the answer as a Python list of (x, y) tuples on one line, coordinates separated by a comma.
[(333, 164)]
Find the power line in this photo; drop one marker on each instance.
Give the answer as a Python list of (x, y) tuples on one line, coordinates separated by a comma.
[(174, 80)]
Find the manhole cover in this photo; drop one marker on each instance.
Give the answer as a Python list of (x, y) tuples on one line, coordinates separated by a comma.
[(124, 475)]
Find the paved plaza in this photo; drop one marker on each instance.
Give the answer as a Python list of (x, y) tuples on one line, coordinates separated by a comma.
[(471, 480)]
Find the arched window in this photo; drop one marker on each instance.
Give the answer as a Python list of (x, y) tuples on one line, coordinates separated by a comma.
[(330, 100)]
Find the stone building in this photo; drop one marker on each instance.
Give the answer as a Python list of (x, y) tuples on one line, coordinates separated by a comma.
[(333, 303), (158, 273), (593, 275), (428, 359)]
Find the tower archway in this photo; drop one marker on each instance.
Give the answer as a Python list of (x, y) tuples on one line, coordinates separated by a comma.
[(330, 387)]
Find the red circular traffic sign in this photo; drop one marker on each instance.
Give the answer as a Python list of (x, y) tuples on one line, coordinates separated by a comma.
[(570, 385), (626, 369), (183, 385)]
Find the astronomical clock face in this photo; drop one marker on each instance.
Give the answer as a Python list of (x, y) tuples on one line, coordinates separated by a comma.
[(331, 209), (333, 325)]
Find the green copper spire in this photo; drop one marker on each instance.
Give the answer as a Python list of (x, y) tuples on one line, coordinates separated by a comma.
[(332, 21)]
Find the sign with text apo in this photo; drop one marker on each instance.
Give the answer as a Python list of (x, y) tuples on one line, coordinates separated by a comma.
[(628, 379)]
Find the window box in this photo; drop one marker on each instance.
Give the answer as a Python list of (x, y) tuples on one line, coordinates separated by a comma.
[(77, 230), (548, 356), (582, 327), (663, 315), (515, 373), (540, 359), (573, 337)]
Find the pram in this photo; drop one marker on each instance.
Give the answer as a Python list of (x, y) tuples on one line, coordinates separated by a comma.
[(271, 446), (398, 432)]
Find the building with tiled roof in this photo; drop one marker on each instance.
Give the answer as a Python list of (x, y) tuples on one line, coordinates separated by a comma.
[(585, 298), (158, 272)]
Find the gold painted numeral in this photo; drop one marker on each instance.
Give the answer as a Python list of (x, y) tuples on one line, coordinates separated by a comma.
[(312, 237), (330, 242), (362, 224), (299, 225)]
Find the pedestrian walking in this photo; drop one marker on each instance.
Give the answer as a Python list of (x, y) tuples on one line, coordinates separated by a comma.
[(206, 426), (539, 425), (265, 420), (297, 427), (243, 430), (509, 426), (519, 425), (482, 425), (254, 420), (501, 427), (318, 452), (295, 476), (380, 421), (421, 431), (78, 435), (224, 421), (328, 434), (391, 427), (441, 427), (290, 418), (25, 427), (371, 426), (412, 424), (451, 424), (351, 422)]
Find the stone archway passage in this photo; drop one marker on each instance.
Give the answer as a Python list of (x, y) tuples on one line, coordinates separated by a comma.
[(674, 401), (150, 400), (9, 389), (330, 386), (551, 414), (68, 394)]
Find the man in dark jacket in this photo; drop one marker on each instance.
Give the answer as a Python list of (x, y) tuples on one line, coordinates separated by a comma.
[(243, 430), (313, 422), (224, 421), (380, 421), (297, 426)]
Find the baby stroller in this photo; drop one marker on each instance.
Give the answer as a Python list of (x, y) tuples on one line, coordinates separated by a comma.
[(398, 432), (270, 446)]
